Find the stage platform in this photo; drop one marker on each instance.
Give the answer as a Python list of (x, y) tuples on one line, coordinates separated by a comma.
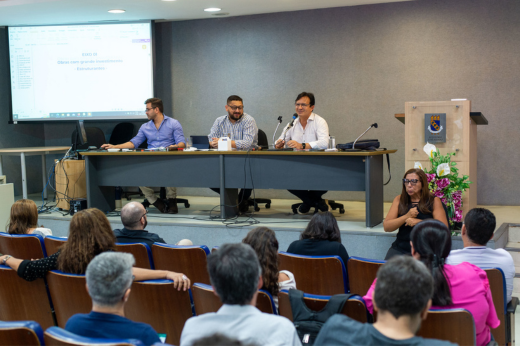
[(197, 223)]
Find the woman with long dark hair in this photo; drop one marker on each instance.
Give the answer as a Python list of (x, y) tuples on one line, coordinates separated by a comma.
[(462, 286), (90, 234), (24, 219), (412, 206), (263, 241)]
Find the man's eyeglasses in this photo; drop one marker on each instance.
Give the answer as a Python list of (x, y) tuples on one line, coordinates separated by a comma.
[(410, 181), (303, 105), (234, 108), (148, 109), (146, 213)]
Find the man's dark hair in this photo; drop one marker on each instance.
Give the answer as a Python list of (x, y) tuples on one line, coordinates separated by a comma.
[(217, 340), (234, 98), (324, 226), (309, 95), (480, 225), (404, 286), (234, 271), (155, 103)]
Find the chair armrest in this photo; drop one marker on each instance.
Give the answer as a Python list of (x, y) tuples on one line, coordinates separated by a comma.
[(511, 306)]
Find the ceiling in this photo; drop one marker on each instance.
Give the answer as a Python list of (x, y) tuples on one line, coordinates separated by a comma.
[(38, 12)]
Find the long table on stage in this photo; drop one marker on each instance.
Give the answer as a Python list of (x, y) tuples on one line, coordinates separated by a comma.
[(232, 170)]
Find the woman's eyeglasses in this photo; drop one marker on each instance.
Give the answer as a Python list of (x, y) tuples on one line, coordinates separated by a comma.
[(410, 181)]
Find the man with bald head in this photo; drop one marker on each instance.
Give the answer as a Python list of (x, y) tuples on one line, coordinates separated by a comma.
[(134, 219)]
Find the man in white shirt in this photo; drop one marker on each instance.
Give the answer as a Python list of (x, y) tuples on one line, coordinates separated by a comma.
[(309, 131), (236, 276), (478, 228)]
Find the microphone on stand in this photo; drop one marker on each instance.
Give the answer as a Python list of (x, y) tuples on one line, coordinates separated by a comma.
[(373, 125), (274, 134), (290, 125)]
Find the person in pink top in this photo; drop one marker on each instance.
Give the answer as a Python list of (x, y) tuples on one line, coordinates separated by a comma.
[(462, 286)]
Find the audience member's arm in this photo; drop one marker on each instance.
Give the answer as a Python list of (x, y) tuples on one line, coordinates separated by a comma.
[(180, 281), (392, 221), (369, 297), (32, 270), (438, 211)]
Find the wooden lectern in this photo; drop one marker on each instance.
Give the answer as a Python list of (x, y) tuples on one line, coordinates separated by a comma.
[(461, 138), (71, 182)]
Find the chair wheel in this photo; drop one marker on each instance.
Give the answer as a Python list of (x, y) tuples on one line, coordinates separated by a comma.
[(342, 211), (268, 206), (333, 208), (186, 205), (295, 211), (128, 198), (257, 209)]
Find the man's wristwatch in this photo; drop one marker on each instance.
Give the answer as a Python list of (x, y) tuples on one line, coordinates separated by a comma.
[(303, 145), (5, 259)]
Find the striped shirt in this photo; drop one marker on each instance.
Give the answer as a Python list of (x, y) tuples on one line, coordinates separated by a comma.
[(316, 133), (244, 131), (169, 133)]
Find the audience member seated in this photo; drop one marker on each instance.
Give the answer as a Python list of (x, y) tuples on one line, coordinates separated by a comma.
[(263, 241), (24, 219), (413, 205), (134, 219), (462, 286), (89, 235), (478, 228), (109, 277), (321, 238), (400, 309), (236, 276)]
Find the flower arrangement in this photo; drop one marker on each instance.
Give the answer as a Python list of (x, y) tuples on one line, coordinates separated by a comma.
[(444, 182)]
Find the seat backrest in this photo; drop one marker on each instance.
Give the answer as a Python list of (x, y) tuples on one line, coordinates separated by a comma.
[(265, 302), (69, 295), (95, 137), (21, 333), (204, 299), (497, 285), (159, 304), (324, 275), (53, 244), (57, 336), (200, 142), (362, 273), (22, 300), (354, 307), (141, 253), (262, 139), (455, 325), (122, 133), (190, 260), (22, 246)]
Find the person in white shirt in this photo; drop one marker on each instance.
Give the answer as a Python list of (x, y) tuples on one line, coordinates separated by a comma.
[(236, 275), (478, 228), (309, 131)]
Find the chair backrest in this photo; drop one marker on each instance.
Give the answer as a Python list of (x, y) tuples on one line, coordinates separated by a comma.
[(354, 307), (190, 260), (159, 304), (53, 244), (497, 284), (214, 248), (21, 333), (122, 133), (200, 142), (265, 302), (69, 295), (57, 336), (362, 272), (325, 275), (95, 137), (23, 300), (262, 140), (22, 246), (455, 325), (141, 252)]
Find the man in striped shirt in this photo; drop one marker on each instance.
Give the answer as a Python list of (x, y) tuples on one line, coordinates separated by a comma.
[(241, 128)]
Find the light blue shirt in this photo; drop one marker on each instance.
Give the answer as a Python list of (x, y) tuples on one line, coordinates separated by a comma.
[(169, 133), (244, 131)]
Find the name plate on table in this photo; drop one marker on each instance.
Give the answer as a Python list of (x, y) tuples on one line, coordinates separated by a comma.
[(435, 128)]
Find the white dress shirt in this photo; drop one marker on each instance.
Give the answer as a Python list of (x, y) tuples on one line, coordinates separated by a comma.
[(316, 133), (485, 258)]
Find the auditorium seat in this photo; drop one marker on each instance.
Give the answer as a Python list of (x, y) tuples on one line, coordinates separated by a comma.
[(141, 253), (57, 336), (52, 244), (354, 307), (455, 325), (190, 260), (22, 246), (23, 300), (69, 295), (21, 333), (324, 275), (362, 272), (206, 301), (159, 304), (504, 334)]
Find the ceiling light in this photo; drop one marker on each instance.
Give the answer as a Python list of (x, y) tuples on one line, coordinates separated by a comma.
[(212, 9), (116, 11), (168, 0)]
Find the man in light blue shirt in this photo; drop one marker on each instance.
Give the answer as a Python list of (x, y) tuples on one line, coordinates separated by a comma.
[(160, 131)]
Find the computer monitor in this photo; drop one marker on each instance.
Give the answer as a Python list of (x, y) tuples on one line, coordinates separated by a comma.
[(80, 139)]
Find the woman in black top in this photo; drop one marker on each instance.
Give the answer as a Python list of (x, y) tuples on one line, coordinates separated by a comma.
[(413, 205)]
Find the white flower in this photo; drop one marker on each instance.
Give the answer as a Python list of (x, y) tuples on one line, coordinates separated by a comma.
[(443, 169), (429, 149), (418, 165)]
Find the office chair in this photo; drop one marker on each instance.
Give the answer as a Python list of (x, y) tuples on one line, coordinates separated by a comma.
[(263, 144), (95, 137)]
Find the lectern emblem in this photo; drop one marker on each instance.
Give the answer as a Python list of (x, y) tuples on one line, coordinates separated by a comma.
[(435, 124), (435, 128)]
